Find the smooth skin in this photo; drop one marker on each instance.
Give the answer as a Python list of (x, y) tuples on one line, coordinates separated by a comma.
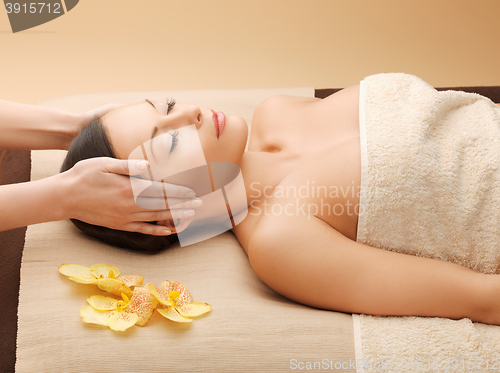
[(97, 191), (313, 257)]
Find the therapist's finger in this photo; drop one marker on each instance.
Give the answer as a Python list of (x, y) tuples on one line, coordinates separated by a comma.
[(178, 226), (162, 215), (178, 191), (123, 166), (170, 204), (134, 167), (150, 203), (150, 188), (156, 229), (147, 228)]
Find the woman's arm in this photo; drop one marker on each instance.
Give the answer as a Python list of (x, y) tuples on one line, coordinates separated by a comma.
[(97, 191), (32, 127), (308, 261)]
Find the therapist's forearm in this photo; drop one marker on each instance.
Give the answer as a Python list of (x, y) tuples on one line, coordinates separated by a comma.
[(32, 127), (31, 203)]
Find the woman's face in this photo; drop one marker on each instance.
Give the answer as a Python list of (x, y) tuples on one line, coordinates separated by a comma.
[(131, 126)]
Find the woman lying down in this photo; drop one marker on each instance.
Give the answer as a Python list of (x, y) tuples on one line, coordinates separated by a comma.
[(383, 198)]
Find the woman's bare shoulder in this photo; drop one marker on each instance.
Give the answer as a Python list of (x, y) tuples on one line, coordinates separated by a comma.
[(277, 108), (273, 115), (279, 105), (280, 100)]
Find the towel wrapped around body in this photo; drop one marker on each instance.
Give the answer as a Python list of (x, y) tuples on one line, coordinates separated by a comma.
[(430, 183)]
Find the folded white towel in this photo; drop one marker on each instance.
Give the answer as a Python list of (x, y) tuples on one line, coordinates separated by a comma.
[(431, 187), (431, 182)]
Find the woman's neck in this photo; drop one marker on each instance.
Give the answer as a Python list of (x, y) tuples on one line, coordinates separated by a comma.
[(261, 173), (262, 170)]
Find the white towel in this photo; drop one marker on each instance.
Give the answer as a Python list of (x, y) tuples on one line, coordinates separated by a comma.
[(432, 180), (430, 187)]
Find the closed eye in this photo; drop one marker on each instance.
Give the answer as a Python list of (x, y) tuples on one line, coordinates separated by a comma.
[(170, 104), (175, 140), (174, 134)]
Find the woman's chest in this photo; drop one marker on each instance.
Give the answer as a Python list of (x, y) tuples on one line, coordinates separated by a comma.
[(313, 168), (324, 185)]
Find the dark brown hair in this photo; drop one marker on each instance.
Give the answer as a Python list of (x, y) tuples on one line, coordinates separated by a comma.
[(92, 142)]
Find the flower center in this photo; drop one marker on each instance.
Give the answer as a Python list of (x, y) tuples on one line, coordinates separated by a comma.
[(122, 304), (173, 297)]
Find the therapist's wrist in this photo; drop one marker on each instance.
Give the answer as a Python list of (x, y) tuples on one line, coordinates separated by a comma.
[(83, 120), (73, 125), (76, 122), (61, 186)]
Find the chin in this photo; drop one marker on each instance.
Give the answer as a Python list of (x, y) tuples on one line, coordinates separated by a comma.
[(239, 128), (234, 120)]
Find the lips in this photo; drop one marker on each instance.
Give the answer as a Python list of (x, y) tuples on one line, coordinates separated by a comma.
[(219, 122)]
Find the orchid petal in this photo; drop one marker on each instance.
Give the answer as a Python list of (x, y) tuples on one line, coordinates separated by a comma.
[(194, 309), (133, 280), (113, 286), (184, 295), (143, 303), (171, 314), (104, 271), (156, 293), (121, 321), (83, 280), (102, 303), (92, 316), (75, 270)]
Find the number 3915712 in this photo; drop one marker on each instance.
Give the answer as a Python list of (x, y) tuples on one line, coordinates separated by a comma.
[(33, 8)]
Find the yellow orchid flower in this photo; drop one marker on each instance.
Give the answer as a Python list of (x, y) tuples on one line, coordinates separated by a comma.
[(120, 314), (179, 302), (105, 276)]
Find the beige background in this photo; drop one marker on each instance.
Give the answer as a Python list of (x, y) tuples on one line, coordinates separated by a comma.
[(128, 45)]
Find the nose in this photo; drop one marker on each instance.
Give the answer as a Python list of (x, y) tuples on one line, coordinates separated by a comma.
[(194, 114), (184, 115)]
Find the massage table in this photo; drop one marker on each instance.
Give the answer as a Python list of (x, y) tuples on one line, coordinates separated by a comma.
[(322, 336)]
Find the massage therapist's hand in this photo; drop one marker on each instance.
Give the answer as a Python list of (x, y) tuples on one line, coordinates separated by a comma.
[(98, 191)]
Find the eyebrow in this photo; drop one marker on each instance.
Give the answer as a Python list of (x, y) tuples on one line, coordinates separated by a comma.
[(149, 102)]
